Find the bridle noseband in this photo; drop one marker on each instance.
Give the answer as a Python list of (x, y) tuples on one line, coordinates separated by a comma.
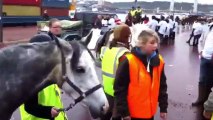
[(66, 79)]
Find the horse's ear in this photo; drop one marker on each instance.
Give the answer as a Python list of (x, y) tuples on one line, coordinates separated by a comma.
[(65, 45), (86, 40), (106, 36)]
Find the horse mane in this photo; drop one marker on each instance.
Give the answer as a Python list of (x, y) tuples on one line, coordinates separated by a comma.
[(77, 48), (108, 36), (30, 55), (103, 40), (24, 68)]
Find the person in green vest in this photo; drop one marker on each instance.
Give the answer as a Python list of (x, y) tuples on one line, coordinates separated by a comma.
[(110, 57), (133, 12), (44, 105), (138, 11)]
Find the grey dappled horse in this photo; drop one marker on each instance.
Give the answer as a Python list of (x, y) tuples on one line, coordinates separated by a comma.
[(25, 69)]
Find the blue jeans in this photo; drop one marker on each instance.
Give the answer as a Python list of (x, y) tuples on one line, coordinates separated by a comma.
[(206, 73)]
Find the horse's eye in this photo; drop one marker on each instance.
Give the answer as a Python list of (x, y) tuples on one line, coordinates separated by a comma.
[(80, 70)]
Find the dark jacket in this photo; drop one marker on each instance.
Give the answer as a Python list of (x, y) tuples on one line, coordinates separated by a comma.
[(122, 81), (35, 109), (31, 105), (98, 23), (46, 17)]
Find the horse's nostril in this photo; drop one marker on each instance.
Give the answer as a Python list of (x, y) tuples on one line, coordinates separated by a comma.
[(102, 109), (105, 108)]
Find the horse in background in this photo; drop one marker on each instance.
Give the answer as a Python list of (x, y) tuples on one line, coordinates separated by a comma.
[(137, 19), (105, 40), (28, 68), (192, 18), (136, 30), (129, 20)]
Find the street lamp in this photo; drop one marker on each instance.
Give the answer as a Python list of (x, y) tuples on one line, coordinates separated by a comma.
[(172, 2), (195, 6), (136, 2), (1, 22)]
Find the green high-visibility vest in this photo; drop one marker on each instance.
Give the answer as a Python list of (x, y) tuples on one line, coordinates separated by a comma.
[(49, 96), (110, 61), (133, 12), (139, 11)]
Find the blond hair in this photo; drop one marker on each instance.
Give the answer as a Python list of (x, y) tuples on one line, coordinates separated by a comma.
[(144, 37)]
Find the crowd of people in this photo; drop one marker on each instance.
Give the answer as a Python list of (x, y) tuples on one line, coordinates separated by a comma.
[(122, 81), (133, 79), (166, 27)]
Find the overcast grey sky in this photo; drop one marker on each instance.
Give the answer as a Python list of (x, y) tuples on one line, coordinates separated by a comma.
[(191, 1)]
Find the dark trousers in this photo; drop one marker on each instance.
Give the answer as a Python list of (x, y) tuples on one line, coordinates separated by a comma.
[(172, 36), (161, 37), (206, 77), (196, 38), (192, 35), (142, 119), (166, 39), (134, 119), (206, 70)]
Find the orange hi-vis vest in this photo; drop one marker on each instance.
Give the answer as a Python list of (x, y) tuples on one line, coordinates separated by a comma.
[(143, 89)]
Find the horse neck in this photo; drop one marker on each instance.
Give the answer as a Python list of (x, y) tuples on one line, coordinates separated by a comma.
[(26, 76), (48, 58)]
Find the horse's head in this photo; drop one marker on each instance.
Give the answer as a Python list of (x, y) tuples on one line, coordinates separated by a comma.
[(95, 35), (80, 80), (103, 40)]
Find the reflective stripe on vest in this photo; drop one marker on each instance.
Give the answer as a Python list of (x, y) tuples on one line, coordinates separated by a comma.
[(109, 67), (49, 96), (103, 49), (143, 90)]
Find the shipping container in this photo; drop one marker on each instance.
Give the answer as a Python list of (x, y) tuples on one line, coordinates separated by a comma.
[(22, 2), (18, 10), (56, 11), (55, 3)]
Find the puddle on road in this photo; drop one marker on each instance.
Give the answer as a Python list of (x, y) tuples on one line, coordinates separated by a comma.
[(177, 104)]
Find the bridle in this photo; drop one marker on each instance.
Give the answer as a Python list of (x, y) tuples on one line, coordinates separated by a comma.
[(66, 79)]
